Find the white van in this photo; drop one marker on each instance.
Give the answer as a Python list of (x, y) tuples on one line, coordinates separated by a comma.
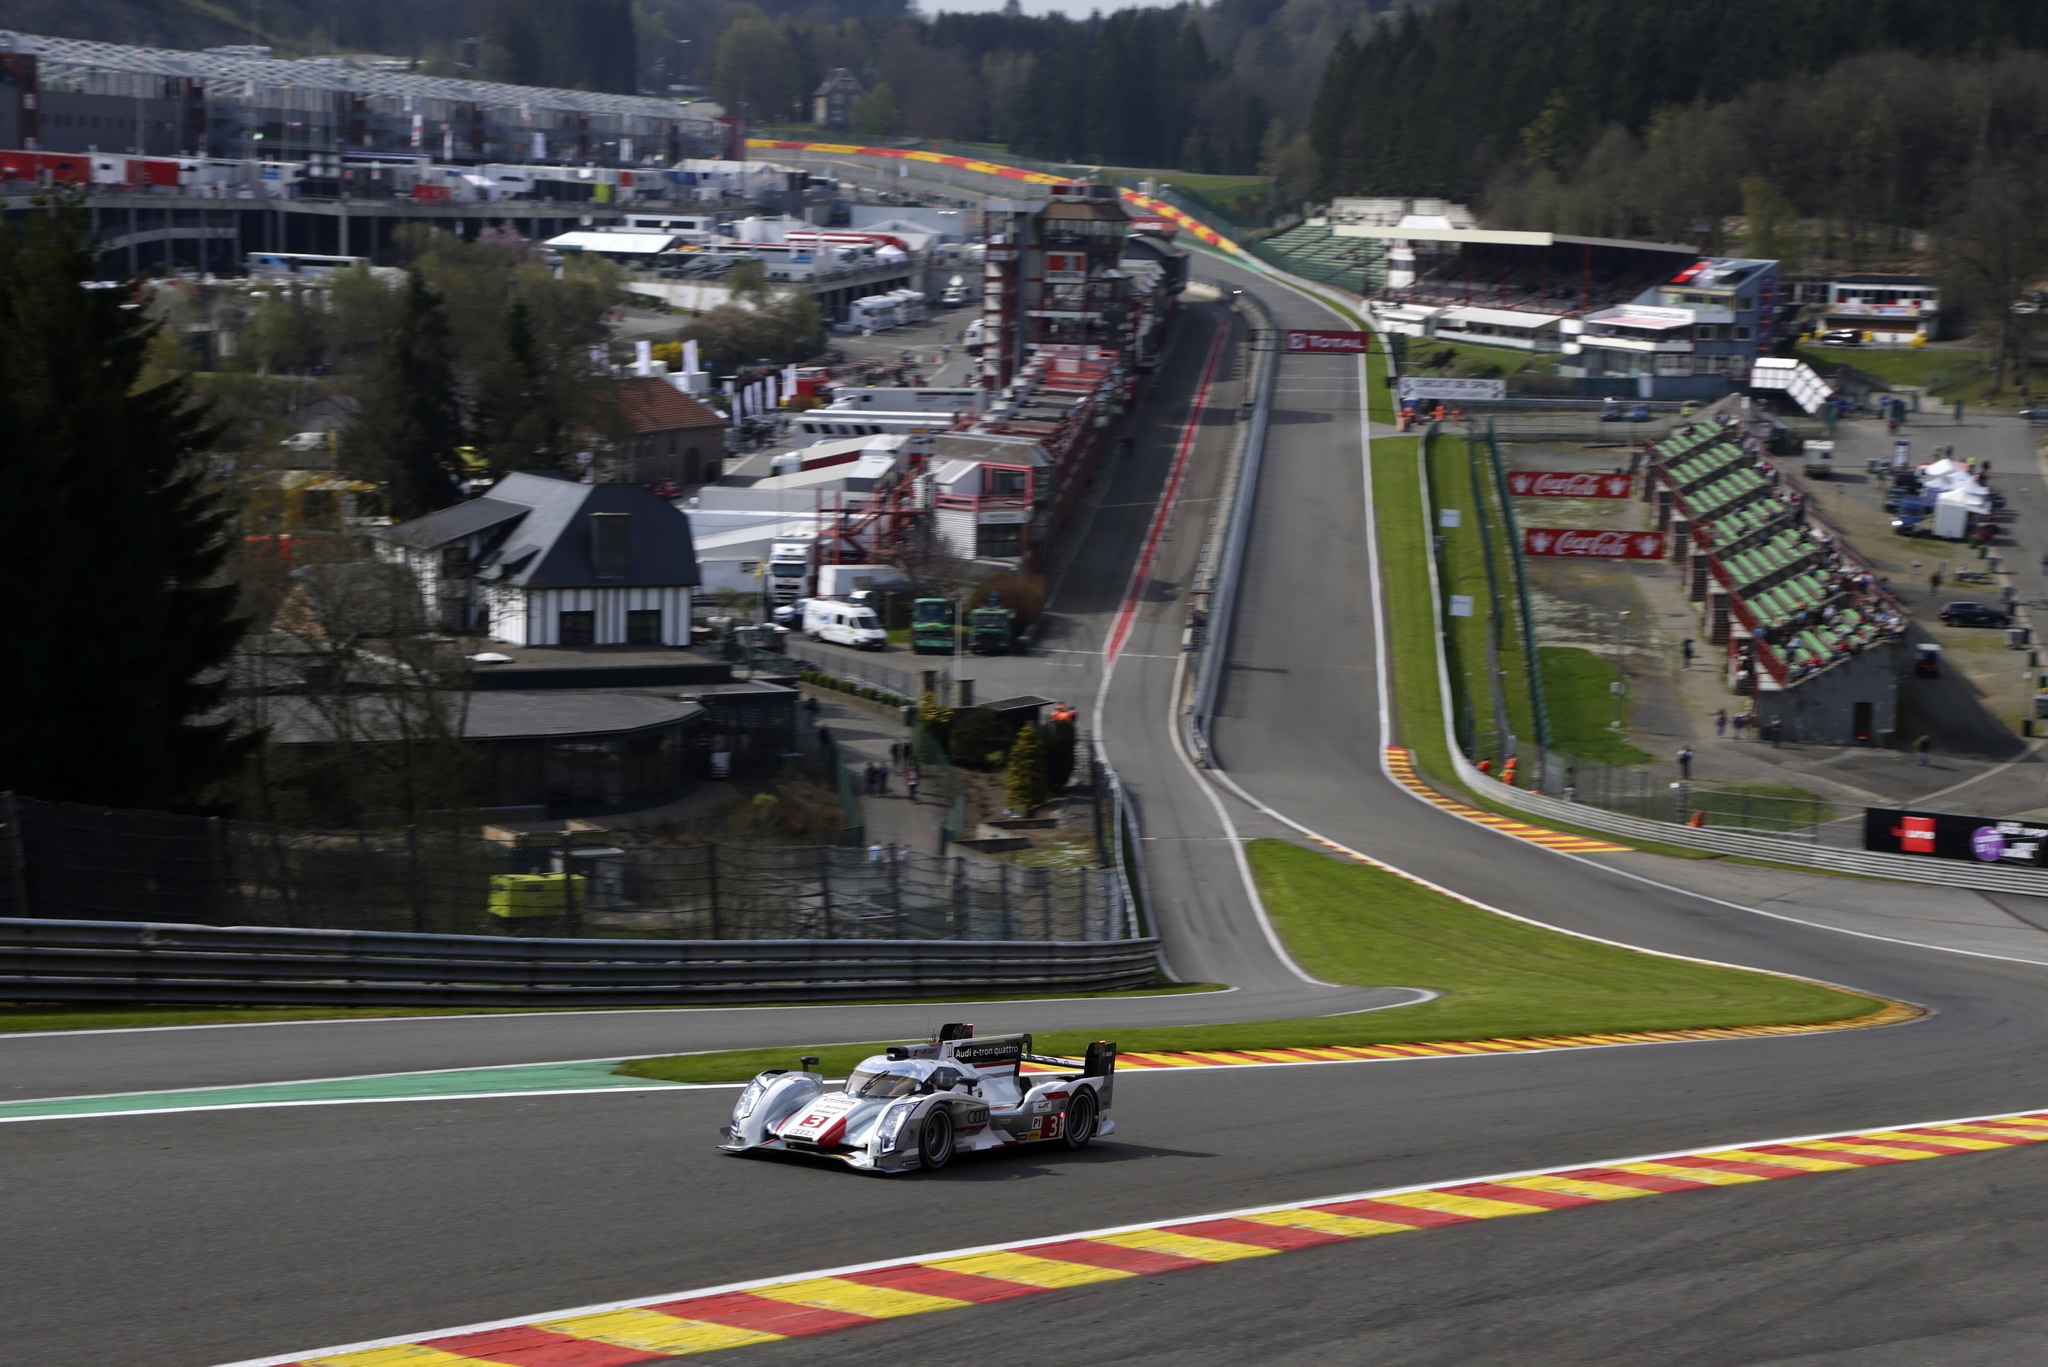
[(844, 624)]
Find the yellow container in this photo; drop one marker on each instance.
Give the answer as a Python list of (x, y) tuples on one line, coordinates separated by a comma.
[(537, 894)]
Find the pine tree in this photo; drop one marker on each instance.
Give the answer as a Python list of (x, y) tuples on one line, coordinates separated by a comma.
[(113, 623), (1026, 787), (408, 419)]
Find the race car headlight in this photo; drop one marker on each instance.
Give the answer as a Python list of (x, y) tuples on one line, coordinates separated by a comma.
[(890, 1127), (749, 1099)]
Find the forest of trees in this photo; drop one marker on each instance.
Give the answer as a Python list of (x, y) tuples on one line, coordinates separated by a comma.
[(1447, 101)]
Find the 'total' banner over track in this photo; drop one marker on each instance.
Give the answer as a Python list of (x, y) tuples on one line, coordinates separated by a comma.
[(1336, 343)]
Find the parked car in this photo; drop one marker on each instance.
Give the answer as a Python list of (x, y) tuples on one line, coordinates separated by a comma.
[(1975, 615), (1841, 337)]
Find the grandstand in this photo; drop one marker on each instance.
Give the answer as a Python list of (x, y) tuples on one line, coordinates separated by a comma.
[(1313, 251), (1809, 634)]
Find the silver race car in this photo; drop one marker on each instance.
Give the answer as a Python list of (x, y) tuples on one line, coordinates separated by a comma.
[(919, 1104)]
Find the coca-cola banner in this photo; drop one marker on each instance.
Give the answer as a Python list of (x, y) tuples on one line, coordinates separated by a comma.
[(1574, 541), (1566, 484)]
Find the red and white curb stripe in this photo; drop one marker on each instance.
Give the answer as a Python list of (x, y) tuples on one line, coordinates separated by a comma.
[(842, 1298)]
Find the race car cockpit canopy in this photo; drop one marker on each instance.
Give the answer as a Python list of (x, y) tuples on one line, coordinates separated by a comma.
[(879, 1079)]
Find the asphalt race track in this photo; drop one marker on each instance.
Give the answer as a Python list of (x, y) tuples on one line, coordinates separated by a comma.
[(191, 1239)]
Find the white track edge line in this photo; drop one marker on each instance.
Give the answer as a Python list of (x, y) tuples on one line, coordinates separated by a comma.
[(1241, 1212)]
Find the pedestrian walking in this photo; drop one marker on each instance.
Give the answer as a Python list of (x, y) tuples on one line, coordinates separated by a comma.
[(1934, 580), (1685, 764), (1923, 745), (824, 740), (910, 777), (811, 704), (1721, 722), (1685, 649), (881, 779)]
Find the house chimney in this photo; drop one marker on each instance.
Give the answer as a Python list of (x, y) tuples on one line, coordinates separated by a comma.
[(610, 537)]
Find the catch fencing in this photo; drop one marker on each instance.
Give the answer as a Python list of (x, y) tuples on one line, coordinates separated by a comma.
[(74, 863), (49, 960)]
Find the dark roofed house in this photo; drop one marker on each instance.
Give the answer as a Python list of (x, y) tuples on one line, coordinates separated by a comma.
[(540, 560), (671, 438), (833, 101)]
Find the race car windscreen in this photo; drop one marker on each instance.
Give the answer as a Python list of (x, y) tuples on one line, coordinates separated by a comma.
[(876, 1084)]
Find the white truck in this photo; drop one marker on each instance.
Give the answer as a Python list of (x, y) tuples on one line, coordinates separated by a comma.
[(792, 565), (844, 581), (955, 294), (1819, 459)]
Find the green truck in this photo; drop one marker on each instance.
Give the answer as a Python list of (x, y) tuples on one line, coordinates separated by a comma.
[(992, 630), (931, 626)]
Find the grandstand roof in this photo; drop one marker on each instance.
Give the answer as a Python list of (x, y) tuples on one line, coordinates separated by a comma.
[(1503, 238), (332, 73)]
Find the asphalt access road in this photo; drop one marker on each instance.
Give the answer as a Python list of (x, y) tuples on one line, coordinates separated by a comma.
[(62, 1063)]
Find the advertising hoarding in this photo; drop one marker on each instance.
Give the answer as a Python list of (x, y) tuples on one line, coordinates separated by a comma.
[(1566, 484), (1945, 835), (1344, 343), (1449, 390), (1578, 541)]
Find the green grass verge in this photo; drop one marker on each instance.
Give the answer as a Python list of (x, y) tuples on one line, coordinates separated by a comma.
[(1500, 978), (1411, 638), (1476, 361), (1578, 690), (1462, 569), (1924, 366), (123, 1017), (1410, 613)]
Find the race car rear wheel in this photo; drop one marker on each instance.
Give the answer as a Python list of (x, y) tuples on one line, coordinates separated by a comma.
[(1080, 1126), (935, 1139)]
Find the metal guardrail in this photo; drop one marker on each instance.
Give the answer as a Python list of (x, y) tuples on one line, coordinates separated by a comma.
[(1224, 561), (1903, 867), (46, 960)]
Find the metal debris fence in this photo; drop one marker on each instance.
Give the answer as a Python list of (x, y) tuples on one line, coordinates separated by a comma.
[(65, 862)]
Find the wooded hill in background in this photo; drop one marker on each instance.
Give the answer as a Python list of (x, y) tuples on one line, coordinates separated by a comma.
[(1645, 117)]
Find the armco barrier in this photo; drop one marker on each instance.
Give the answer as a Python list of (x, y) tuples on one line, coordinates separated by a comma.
[(1905, 867), (142, 962)]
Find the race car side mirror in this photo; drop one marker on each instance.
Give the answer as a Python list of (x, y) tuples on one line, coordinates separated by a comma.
[(809, 1061)]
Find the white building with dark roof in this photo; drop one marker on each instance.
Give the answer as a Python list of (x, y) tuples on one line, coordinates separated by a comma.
[(540, 560)]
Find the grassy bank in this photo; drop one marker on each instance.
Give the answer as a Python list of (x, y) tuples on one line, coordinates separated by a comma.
[(1410, 612), (1462, 569), (1499, 978), (1578, 689)]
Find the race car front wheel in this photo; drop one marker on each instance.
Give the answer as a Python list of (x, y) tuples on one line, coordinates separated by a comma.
[(1080, 1127), (935, 1140)]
